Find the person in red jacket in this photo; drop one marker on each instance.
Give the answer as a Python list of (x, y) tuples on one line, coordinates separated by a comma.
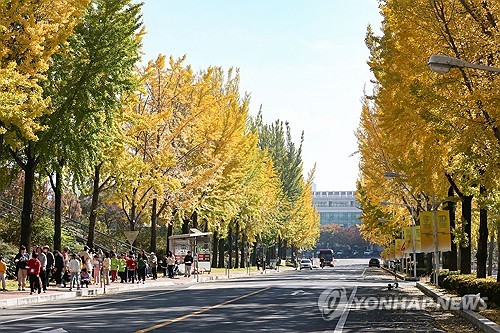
[(34, 273), (131, 267)]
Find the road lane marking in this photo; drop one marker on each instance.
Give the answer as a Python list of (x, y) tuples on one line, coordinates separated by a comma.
[(47, 330), (85, 307), (205, 309), (345, 312)]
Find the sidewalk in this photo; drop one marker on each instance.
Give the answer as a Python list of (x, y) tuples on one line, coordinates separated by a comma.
[(472, 317), (15, 298)]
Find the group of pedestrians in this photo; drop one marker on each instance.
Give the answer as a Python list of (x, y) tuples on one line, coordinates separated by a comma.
[(88, 267), (35, 267), (79, 269)]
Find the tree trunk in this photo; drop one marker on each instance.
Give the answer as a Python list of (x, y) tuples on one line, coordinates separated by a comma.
[(170, 230), (236, 245), (428, 263), (215, 248), (450, 258), (230, 247), (58, 211), (185, 226), (482, 244), (465, 251), (491, 248), (242, 258), (221, 252), (154, 218), (498, 251), (253, 258), (279, 247), (194, 219), (93, 206), (27, 214)]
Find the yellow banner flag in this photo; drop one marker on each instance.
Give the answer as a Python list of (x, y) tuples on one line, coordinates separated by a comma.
[(427, 232), (408, 237), (443, 230), (418, 240), (398, 245)]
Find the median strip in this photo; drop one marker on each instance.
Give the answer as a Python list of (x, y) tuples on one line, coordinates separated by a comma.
[(194, 313)]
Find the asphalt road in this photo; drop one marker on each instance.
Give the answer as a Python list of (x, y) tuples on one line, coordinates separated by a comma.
[(339, 299)]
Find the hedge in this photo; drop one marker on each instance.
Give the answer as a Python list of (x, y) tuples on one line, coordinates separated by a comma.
[(464, 284)]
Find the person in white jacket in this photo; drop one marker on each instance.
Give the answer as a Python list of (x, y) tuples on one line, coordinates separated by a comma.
[(74, 268)]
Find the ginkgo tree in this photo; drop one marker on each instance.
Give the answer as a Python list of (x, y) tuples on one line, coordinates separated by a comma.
[(441, 131), (30, 33)]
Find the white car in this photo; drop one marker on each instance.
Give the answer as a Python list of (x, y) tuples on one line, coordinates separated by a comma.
[(306, 264)]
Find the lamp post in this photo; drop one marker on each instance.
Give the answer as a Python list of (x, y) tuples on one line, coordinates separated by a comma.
[(442, 64), (413, 224)]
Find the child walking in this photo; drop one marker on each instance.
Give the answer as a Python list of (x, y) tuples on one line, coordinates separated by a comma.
[(96, 264), (34, 273), (3, 272), (74, 268), (84, 277)]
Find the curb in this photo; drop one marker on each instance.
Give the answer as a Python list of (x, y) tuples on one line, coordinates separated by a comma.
[(472, 317), (400, 276), (64, 294), (60, 295)]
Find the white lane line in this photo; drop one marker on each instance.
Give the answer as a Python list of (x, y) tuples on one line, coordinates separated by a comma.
[(81, 308), (345, 312)]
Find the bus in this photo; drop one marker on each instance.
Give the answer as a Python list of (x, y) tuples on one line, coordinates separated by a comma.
[(326, 257)]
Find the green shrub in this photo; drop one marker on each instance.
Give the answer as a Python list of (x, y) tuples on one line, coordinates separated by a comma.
[(8, 252), (464, 284)]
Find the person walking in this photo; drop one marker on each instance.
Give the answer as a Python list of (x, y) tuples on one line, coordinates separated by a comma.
[(164, 264), (74, 268), (131, 267), (34, 273), (21, 261), (49, 269), (3, 272), (66, 258), (141, 268), (188, 261), (170, 264), (59, 268), (43, 268), (106, 264), (96, 266), (153, 263), (122, 268), (115, 262)]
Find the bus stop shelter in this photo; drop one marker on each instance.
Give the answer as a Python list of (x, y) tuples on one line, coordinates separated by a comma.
[(200, 245)]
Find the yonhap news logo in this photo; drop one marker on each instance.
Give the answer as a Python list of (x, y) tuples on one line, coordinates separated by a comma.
[(332, 303)]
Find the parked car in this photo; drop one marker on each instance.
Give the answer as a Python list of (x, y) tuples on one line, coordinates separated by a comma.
[(374, 262), (368, 253), (306, 264)]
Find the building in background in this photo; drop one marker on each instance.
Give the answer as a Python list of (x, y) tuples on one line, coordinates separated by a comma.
[(339, 207)]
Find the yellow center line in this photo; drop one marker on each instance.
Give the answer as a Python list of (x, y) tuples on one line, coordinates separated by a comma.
[(194, 313)]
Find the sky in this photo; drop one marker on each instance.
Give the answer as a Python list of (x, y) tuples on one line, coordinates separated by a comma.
[(303, 61)]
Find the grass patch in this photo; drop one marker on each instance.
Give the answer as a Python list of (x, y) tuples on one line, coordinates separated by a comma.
[(491, 314)]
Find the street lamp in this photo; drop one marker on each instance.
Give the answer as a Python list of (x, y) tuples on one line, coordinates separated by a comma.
[(442, 64), (413, 224)]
